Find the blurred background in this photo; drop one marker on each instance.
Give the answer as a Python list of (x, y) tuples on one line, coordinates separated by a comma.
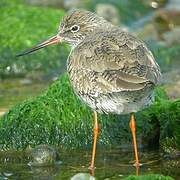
[(24, 23)]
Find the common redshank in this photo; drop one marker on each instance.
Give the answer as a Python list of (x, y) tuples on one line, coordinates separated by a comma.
[(110, 70)]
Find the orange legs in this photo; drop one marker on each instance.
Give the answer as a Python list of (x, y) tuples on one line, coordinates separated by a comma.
[(132, 125), (96, 132)]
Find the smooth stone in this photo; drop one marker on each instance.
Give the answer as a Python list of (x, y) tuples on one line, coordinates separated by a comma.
[(82, 176)]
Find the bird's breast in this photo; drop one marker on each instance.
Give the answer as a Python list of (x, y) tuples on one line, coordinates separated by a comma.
[(81, 78)]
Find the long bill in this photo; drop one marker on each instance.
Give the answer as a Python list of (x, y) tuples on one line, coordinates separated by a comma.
[(53, 40)]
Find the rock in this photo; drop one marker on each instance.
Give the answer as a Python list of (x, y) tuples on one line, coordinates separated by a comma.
[(165, 20), (43, 155), (44, 172), (162, 120), (171, 166), (172, 37), (173, 90), (147, 33), (82, 176), (58, 117), (109, 12), (163, 26), (171, 81), (173, 5)]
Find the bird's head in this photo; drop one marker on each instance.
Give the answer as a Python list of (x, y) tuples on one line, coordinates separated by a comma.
[(74, 27), (78, 24)]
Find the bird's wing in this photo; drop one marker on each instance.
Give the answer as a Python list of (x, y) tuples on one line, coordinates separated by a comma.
[(118, 61)]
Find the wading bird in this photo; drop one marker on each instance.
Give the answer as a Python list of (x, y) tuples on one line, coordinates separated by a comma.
[(110, 70)]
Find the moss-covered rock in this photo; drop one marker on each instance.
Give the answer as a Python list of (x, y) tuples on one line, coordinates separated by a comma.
[(23, 26), (149, 177), (52, 118), (163, 119), (58, 117)]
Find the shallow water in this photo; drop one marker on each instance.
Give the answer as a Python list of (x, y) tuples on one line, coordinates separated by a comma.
[(14, 91), (110, 164)]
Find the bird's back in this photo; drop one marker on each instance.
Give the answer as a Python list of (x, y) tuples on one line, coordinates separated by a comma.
[(111, 69)]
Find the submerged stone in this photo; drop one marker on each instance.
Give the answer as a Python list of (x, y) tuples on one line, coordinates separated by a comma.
[(43, 155), (82, 176)]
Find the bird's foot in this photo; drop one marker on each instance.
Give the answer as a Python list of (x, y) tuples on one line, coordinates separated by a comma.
[(137, 164), (91, 168)]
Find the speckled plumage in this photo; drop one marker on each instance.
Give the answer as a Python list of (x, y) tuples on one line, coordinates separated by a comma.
[(110, 70)]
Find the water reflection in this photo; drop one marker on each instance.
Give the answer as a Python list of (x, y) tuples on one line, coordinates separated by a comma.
[(110, 164), (46, 172)]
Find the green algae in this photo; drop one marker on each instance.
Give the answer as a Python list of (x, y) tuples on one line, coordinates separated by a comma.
[(164, 115), (22, 27), (58, 117), (149, 177), (51, 118)]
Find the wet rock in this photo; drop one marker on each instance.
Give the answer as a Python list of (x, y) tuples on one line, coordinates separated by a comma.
[(109, 12), (82, 176), (162, 119), (51, 118), (43, 155), (171, 166), (169, 146), (44, 172)]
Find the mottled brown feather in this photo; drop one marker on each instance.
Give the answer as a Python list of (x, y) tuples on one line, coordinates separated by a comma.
[(117, 60)]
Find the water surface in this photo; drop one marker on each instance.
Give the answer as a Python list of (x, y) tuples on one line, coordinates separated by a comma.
[(110, 164)]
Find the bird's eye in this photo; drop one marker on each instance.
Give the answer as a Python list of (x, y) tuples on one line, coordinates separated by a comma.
[(75, 28)]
